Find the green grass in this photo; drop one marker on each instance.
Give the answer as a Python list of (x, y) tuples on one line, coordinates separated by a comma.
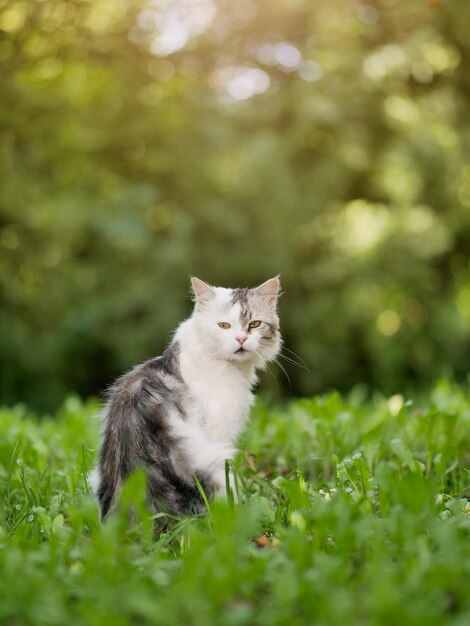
[(363, 504)]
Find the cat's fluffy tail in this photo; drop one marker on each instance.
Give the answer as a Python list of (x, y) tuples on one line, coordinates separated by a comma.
[(94, 479), (117, 457), (105, 479)]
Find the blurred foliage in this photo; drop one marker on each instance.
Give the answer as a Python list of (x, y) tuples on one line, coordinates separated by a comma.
[(142, 142)]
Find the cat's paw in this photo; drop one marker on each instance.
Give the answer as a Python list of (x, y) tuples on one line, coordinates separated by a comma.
[(94, 480), (220, 478)]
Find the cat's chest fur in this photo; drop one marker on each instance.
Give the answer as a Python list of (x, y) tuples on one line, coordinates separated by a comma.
[(219, 397)]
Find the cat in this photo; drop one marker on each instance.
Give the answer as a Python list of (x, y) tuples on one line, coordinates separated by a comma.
[(179, 415)]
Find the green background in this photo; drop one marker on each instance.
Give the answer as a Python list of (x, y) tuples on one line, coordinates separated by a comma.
[(326, 140)]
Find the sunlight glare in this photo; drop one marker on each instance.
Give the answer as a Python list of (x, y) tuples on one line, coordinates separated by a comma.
[(175, 22)]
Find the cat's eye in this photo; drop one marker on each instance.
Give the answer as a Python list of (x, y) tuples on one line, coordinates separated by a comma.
[(254, 324), (224, 325)]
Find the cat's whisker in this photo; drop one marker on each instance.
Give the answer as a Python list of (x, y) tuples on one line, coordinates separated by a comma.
[(297, 356), (220, 352), (215, 352), (277, 363), (284, 370), (289, 360), (213, 356), (266, 365), (263, 355), (293, 362), (261, 351)]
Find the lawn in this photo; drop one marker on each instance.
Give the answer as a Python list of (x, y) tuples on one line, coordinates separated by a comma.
[(350, 511)]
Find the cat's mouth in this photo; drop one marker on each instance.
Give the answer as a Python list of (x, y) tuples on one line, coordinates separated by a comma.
[(241, 351)]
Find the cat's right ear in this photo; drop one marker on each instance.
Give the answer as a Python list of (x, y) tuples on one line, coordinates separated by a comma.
[(201, 290), (270, 290)]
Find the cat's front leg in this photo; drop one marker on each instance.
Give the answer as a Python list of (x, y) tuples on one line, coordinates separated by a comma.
[(203, 454), (223, 488)]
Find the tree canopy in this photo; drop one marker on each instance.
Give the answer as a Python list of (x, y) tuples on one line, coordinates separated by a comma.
[(143, 142)]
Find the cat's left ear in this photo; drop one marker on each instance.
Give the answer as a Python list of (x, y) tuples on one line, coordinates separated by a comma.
[(270, 290), (201, 290)]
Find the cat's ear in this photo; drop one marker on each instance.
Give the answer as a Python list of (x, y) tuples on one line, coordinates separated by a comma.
[(201, 290), (270, 290)]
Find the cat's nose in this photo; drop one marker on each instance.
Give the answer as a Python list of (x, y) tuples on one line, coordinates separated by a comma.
[(241, 339)]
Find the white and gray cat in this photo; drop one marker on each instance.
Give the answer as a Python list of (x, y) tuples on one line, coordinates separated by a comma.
[(179, 415)]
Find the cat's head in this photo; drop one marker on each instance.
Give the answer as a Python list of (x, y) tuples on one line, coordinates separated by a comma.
[(240, 325)]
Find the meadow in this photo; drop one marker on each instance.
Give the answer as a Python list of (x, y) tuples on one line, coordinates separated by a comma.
[(351, 510)]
